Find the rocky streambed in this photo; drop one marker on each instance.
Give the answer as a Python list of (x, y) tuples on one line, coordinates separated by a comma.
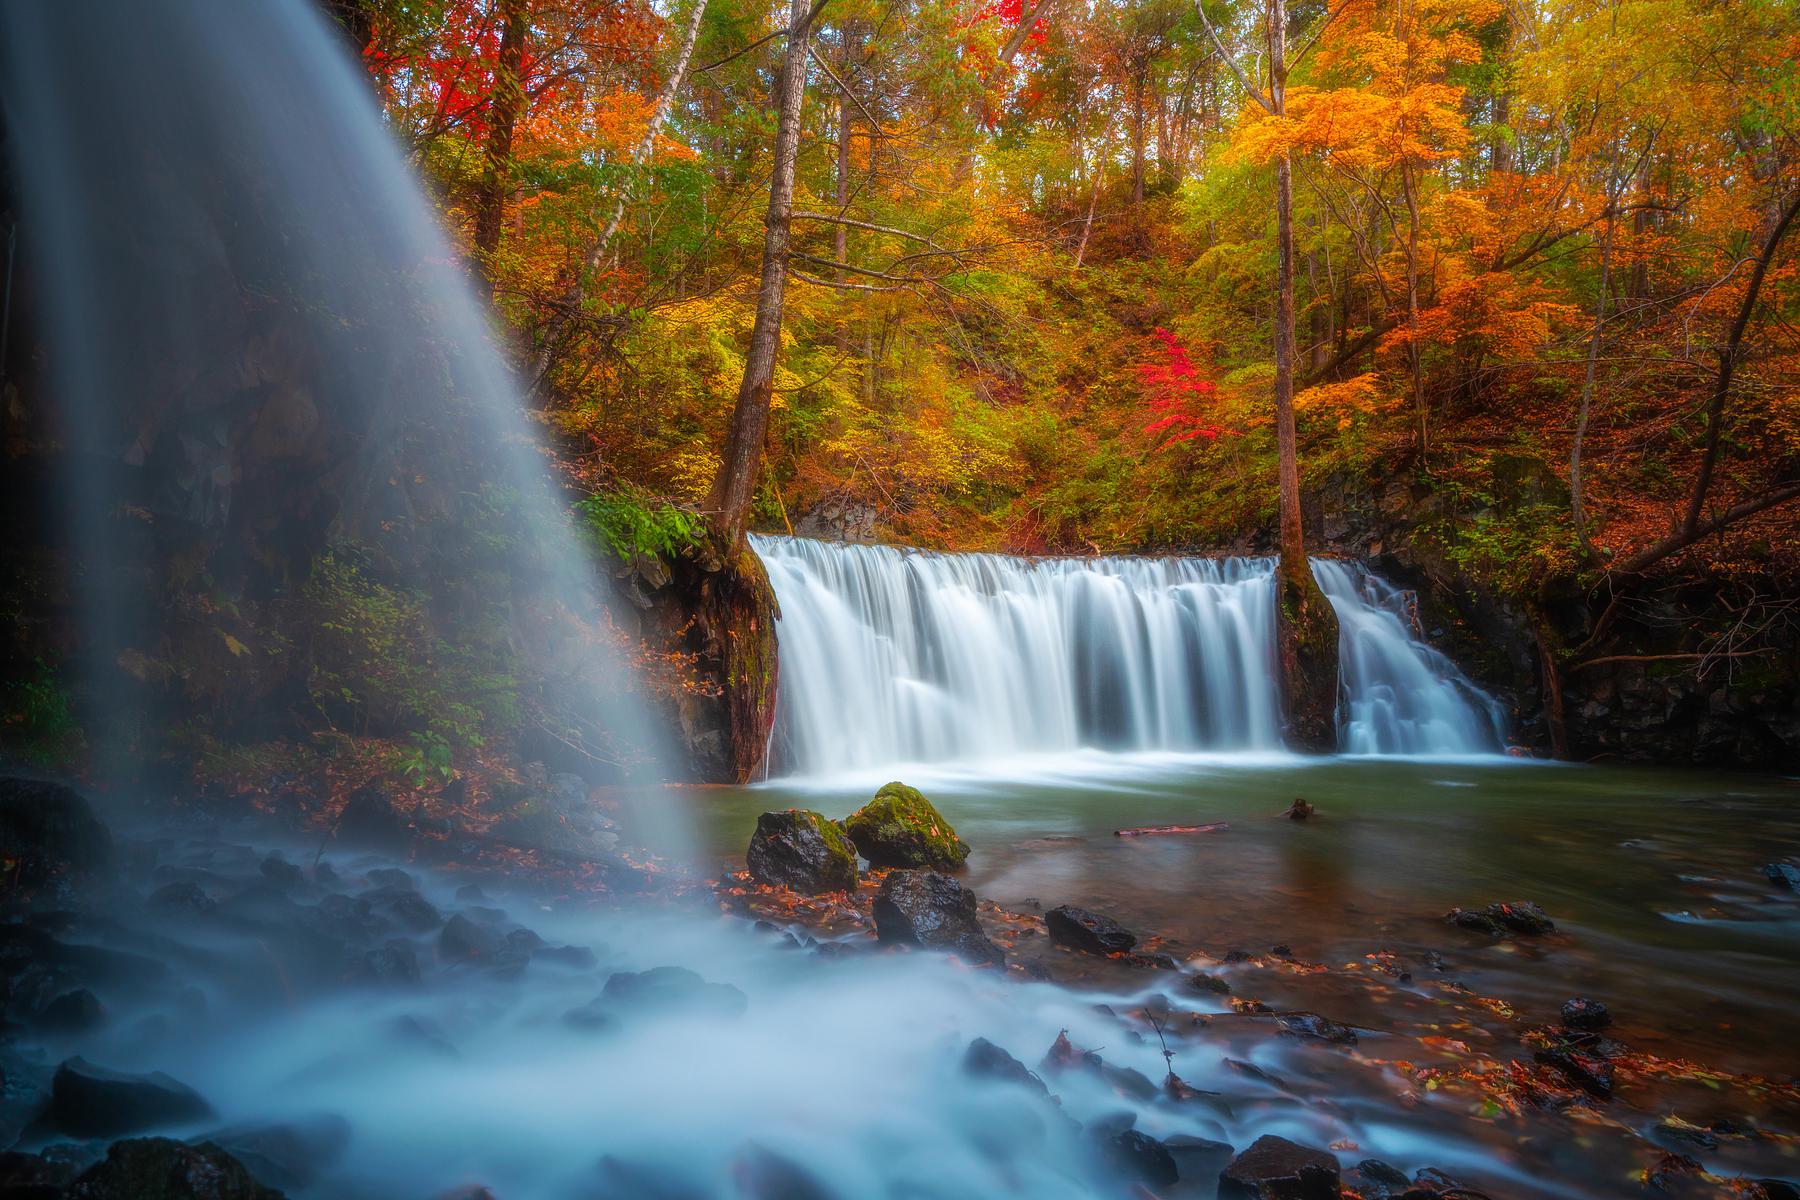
[(221, 1008)]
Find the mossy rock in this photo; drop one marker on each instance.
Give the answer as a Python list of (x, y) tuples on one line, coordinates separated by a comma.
[(802, 850), (900, 828)]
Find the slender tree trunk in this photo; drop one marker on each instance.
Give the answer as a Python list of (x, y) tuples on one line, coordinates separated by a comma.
[(570, 304), (1414, 363), (1306, 625), (1577, 497), (505, 106), (846, 130), (735, 484)]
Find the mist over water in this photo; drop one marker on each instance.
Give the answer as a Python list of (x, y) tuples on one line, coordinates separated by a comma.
[(891, 655)]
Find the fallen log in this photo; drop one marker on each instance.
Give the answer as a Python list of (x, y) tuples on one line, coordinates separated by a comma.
[(1162, 830)]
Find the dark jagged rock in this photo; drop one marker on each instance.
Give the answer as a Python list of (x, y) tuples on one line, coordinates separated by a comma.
[(671, 989), (901, 828), (1274, 1168), (1783, 875), (1586, 1015), (1674, 1129), (90, 1101), (73, 1012), (1079, 929), (926, 908), (183, 898), (393, 878), (1313, 1026), (395, 964), (801, 850), (1203, 982), (761, 1174), (406, 908), (1136, 1155), (33, 1177), (288, 1155), (1587, 1071), (1379, 1180), (369, 819), (160, 1169), (48, 837), (1778, 1189), (1519, 916), (984, 1060), (282, 873), (462, 940)]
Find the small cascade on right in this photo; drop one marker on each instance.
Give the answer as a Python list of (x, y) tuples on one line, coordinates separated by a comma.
[(1398, 695)]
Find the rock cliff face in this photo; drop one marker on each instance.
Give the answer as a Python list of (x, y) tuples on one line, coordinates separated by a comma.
[(1634, 702)]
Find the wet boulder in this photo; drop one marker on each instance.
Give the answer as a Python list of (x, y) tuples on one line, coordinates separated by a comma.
[(182, 898), (1585, 1015), (1311, 1026), (1783, 875), (33, 1177), (405, 907), (71, 1013), (929, 909), (1274, 1168), (49, 836), (1588, 1071), (1137, 1156), (671, 989), (801, 850), (160, 1169), (89, 1101), (286, 1155), (1497, 920), (463, 941), (393, 965), (1090, 932), (984, 1060), (901, 828)]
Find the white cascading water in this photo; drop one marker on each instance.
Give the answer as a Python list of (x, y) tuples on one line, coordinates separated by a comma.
[(896, 655)]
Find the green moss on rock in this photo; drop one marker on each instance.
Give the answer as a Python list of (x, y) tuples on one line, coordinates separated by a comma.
[(900, 828), (802, 850)]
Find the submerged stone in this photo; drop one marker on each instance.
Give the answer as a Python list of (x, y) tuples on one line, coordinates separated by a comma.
[(901, 828), (801, 850), (1079, 929), (1312, 1026), (1496, 920), (926, 908), (1586, 1015), (1136, 1155), (91, 1101), (671, 989), (1274, 1168), (984, 1060), (1783, 875)]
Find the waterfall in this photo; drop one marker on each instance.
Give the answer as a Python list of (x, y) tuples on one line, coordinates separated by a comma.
[(266, 357), (897, 655)]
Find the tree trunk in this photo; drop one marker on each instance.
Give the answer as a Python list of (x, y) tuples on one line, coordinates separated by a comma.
[(1577, 498), (570, 305), (1306, 626), (739, 465), (505, 105)]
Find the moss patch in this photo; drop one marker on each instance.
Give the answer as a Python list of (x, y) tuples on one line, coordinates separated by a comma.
[(900, 828)]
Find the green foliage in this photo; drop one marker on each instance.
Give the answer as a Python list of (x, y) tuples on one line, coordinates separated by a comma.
[(38, 715), (429, 756), (631, 523), (379, 665)]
